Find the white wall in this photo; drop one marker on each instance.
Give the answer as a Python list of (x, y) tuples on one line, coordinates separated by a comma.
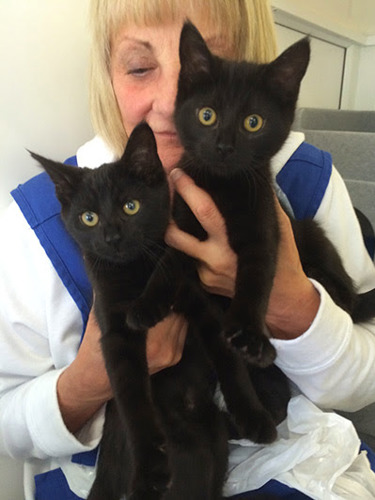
[(43, 85), (11, 479), (365, 91), (321, 86), (349, 24), (43, 107)]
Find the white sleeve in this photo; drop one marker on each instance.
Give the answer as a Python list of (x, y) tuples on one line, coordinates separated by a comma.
[(40, 329), (333, 363)]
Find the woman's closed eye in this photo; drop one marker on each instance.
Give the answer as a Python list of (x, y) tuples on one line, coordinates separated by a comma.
[(140, 66), (139, 71)]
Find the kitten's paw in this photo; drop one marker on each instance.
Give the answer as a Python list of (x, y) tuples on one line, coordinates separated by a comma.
[(136, 317), (254, 347), (260, 428), (255, 424), (140, 316)]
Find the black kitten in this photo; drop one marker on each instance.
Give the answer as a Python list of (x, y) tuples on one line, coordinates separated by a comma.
[(163, 435), (232, 117)]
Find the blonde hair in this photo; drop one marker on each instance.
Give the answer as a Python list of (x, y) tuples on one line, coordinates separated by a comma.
[(247, 26)]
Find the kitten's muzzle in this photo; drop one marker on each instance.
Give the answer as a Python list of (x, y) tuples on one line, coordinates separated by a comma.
[(224, 149), (113, 239)]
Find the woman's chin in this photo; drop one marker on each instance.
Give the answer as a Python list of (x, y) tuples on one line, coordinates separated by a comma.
[(170, 156)]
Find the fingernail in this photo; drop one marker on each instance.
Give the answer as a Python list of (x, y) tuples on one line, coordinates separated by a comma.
[(175, 174)]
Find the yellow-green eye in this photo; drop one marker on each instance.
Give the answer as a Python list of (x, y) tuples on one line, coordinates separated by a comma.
[(207, 116), (253, 123), (131, 207), (90, 218)]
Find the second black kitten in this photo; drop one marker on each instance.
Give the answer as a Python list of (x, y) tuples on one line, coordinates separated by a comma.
[(232, 118)]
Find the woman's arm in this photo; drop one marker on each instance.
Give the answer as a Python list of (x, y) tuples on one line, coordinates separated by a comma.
[(39, 336), (333, 362), (84, 386)]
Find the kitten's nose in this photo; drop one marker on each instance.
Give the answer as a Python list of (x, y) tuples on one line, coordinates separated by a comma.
[(113, 239), (224, 149)]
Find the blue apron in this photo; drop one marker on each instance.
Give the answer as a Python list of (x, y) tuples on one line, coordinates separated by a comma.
[(303, 180)]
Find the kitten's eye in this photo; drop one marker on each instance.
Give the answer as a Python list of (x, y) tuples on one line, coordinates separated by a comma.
[(90, 219), (253, 123), (131, 207), (207, 116)]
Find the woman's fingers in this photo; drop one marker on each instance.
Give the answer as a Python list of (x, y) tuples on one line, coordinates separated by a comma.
[(217, 263), (182, 241), (200, 203), (165, 343)]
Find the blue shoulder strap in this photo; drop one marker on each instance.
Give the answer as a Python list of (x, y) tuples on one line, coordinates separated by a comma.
[(40, 207), (304, 179)]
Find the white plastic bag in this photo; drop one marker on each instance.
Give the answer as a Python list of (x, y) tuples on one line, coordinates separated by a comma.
[(316, 452)]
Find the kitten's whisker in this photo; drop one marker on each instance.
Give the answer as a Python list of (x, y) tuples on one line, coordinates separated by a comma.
[(250, 180), (159, 261)]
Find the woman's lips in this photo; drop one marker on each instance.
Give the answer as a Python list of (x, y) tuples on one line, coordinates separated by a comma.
[(166, 133)]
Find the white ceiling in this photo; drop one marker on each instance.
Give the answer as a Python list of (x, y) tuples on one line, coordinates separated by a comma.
[(353, 19), (363, 14)]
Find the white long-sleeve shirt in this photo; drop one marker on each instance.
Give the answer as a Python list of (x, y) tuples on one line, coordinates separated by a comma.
[(332, 363)]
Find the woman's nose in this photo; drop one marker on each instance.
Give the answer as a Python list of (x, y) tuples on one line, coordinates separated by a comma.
[(165, 97)]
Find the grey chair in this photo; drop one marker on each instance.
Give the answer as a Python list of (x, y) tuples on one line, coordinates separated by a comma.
[(350, 138)]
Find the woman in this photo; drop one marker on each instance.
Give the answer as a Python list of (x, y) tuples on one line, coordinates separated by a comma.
[(53, 389)]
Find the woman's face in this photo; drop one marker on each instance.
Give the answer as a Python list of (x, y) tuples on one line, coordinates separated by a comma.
[(144, 70)]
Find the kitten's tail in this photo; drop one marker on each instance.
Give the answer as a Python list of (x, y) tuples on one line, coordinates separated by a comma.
[(364, 308)]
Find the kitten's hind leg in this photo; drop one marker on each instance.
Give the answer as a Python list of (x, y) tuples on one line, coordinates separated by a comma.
[(273, 390), (250, 417), (125, 356), (113, 467), (196, 429)]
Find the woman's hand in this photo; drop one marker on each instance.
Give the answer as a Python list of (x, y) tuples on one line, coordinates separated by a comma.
[(165, 343), (84, 386), (217, 263), (294, 301)]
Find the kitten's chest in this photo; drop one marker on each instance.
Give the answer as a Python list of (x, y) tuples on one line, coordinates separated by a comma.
[(247, 209), (239, 197), (120, 283)]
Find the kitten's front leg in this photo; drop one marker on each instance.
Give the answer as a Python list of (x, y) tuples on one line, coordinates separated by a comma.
[(125, 356), (157, 299), (244, 322)]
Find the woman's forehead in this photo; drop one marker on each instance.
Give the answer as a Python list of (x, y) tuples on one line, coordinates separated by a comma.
[(217, 40)]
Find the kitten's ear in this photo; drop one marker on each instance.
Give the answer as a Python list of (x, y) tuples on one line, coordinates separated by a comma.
[(284, 74), (141, 156), (195, 58), (65, 177)]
